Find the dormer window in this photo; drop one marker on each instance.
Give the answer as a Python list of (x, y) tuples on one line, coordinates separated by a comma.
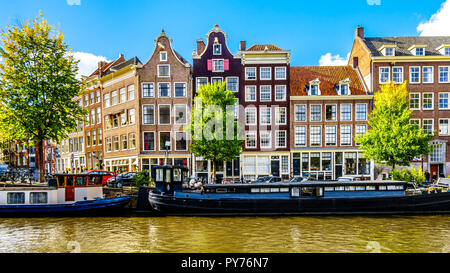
[(163, 56), (447, 51), (217, 49), (314, 88), (418, 50), (344, 87), (389, 52)]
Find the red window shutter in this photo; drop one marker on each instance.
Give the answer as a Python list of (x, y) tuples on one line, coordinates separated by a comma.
[(209, 65), (226, 64)]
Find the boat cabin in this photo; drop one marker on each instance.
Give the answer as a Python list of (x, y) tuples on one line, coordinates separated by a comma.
[(169, 179), (66, 188)]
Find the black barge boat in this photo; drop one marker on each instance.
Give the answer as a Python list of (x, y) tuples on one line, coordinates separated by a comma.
[(305, 198)]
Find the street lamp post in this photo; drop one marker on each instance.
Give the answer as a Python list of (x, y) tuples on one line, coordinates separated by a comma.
[(167, 145)]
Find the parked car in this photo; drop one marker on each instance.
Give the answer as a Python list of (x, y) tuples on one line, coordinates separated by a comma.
[(268, 179), (105, 175), (124, 179), (346, 179), (301, 179)]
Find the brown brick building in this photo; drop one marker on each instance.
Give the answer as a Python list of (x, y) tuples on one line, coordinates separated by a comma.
[(424, 63), (329, 106)]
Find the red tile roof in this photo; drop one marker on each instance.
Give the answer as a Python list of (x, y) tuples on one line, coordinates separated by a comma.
[(329, 77), (263, 47), (106, 66)]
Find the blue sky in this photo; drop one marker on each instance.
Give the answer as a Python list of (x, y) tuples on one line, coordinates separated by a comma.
[(313, 30)]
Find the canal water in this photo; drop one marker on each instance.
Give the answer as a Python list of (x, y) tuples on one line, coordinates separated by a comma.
[(409, 234)]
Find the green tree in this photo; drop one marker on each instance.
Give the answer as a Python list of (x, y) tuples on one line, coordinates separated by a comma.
[(37, 86), (391, 138), (215, 133)]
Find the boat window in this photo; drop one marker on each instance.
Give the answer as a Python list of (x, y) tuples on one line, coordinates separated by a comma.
[(177, 175), (168, 175), (265, 190), (69, 181), (295, 192), (274, 189), (340, 188), (16, 198), (221, 190), (382, 188), (395, 188), (159, 175), (307, 191), (371, 188), (319, 192), (349, 188), (284, 189), (38, 198), (360, 188), (255, 190), (79, 181), (329, 188), (60, 181), (93, 180)]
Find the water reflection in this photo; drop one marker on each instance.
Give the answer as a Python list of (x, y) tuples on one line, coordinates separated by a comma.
[(243, 234)]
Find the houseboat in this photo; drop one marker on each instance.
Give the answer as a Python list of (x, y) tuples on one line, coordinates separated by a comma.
[(304, 198), (66, 195)]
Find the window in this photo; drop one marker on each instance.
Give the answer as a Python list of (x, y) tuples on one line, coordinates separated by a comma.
[(108, 144), (115, 121), (414, 74), (300, 113), (250, 73), (384, 74), (427, 101), (443, 127), (93, 117), (427, 74), (16, 198), (100, 140), (316, 136), (131, 116), (443, 101), (180, 141), (163, 70), (148, 114), (250, 116), (314, 90), (265, 93), (280, 73), (443, 74), (346, 135), (38, 198), (389, 51), (162, 56), (330, 135), (344, 90), (316, 113), (233, 84), (428, 126), (164, 90), (330, 112), (164, 139), (265, 115), (132, 139), (346, 112), (92, 98), (123, 95), (414, 101), (280, 92), (218, 65), (280, 115), (116, 143), (415, 122), (201, 81), (280, 137), (420, 51), (97, 96), (88, 139), (114, 98), (124, 141), (99, 115), (180, 114), (265, 73), (250, 93), (149, 141), (217, 80), (250, 139), (266, 140), (180, 89), (94, 138), (397, 74), (217, 49), (86, 100), (148, 90), (361, 111), (447, 51), (300, 136), (360, 130), (164, 114)]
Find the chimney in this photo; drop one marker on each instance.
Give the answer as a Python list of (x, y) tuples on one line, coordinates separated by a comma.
[(359, 32), (200, 46), (355, 62), (243, 45), (121, 56)]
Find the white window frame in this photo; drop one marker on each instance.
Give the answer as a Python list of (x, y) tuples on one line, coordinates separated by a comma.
[(214, 61), (254, 110), (423, 101), (277, 132), (215, 78), (255, 72), (356, 111), (154, 114), (402, 73), (311, 112), (381, 73), (285, 72), (448, 126), (420, 101), (197, 84), (143, 141), (150, 83), (335, 135), (311, 138), (220, 46), (341, 112), (448, 74), (161, 54), (268, 133), (336, 112), (158, 68), (419, 76), (159, 91), (295, 136), (295, 112), (277, 113), (342, 135), (261, 109), (159, 141), (432, 74), (159, 114), (237, 83), (175, 92), (284, 95), (432, 124), (254, 134), (261, 73), (448, 100), (260, 93), (175, 112), (255, 94), (186, 139)]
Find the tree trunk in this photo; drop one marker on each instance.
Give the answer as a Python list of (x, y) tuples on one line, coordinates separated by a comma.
[(214, 172), (40, 153), (393, 168)]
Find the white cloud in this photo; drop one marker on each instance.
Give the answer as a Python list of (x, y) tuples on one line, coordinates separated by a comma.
[(331, 60), (439, 23), (73, 2), (88, 63)]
